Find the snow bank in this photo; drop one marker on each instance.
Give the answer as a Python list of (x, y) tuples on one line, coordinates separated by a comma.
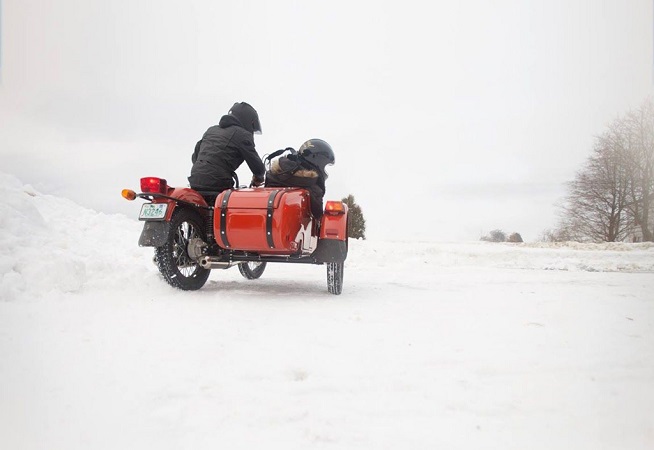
[(51, 245)]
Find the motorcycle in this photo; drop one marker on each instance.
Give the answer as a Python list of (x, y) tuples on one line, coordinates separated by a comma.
[(194, 232)]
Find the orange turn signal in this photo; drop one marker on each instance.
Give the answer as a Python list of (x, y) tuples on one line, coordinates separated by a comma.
[(333, 207), (128, 194)]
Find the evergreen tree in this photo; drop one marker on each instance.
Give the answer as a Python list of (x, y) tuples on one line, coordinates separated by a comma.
[(356, 222)]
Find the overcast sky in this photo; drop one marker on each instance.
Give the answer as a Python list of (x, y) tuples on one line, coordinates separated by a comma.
[(448, 119)]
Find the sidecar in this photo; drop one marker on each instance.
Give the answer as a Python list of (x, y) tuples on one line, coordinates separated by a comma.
[(194, 232)]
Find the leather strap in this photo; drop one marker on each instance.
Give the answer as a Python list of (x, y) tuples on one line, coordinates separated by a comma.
[(269, 217), (223, 218)]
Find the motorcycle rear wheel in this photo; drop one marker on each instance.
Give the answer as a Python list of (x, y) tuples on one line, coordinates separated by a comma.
[(172, 258)]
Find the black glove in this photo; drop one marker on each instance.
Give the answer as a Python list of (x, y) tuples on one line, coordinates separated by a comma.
[(256, 181)]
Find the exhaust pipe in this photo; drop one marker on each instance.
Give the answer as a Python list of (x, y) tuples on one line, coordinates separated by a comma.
[(196, 250), (207, 262)]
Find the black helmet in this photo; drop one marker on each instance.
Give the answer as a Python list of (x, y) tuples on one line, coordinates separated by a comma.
[(319, 153), (247, 115)]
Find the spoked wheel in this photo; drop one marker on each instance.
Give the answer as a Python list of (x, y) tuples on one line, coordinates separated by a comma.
[(335, 277), (252, 270), (172, 258)]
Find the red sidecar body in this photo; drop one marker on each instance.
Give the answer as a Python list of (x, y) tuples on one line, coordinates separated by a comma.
[(264, 220)]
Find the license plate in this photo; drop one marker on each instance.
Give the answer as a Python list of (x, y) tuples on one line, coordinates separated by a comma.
[(153, 211)]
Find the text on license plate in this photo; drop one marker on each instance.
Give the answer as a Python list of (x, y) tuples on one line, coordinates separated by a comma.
[(153, 211)]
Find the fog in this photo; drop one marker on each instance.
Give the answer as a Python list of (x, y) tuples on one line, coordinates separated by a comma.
[(447, 120)]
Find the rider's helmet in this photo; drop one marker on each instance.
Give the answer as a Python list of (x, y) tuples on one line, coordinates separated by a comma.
[(247, 115), (319, 153)]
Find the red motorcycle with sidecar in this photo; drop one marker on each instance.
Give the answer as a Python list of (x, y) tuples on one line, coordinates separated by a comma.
[(194, 232)]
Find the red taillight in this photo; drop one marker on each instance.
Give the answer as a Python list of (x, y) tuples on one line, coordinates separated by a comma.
[(153, 184), (335, 208)]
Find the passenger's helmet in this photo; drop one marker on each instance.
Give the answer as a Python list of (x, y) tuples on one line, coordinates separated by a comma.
[(319, 153), (247, 115)]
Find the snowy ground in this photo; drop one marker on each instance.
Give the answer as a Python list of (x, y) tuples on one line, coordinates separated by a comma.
[(431, 345)]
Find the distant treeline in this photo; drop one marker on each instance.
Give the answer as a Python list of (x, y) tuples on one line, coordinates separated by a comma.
[(612, 196)]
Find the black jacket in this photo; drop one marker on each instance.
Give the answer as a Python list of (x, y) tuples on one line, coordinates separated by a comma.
[(222, 149), (289, 171)]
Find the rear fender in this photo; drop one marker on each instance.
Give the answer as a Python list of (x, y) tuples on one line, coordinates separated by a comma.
[(332, 242), (155, 232), (192, 199), (334, 226)]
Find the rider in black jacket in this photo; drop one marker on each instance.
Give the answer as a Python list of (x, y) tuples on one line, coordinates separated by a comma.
[(224, 147)]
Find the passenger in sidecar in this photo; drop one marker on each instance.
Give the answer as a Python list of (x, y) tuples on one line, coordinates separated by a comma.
[(304, 168)]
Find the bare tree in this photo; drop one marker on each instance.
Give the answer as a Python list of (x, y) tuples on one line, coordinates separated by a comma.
[(613, 195), (638, 150), (596, 207)]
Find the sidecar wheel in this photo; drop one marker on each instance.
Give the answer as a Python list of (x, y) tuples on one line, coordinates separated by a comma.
[(172, 258), (335, 277), (252, 270)]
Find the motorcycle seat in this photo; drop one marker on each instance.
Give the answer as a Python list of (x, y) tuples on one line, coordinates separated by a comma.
[(209, 196)]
